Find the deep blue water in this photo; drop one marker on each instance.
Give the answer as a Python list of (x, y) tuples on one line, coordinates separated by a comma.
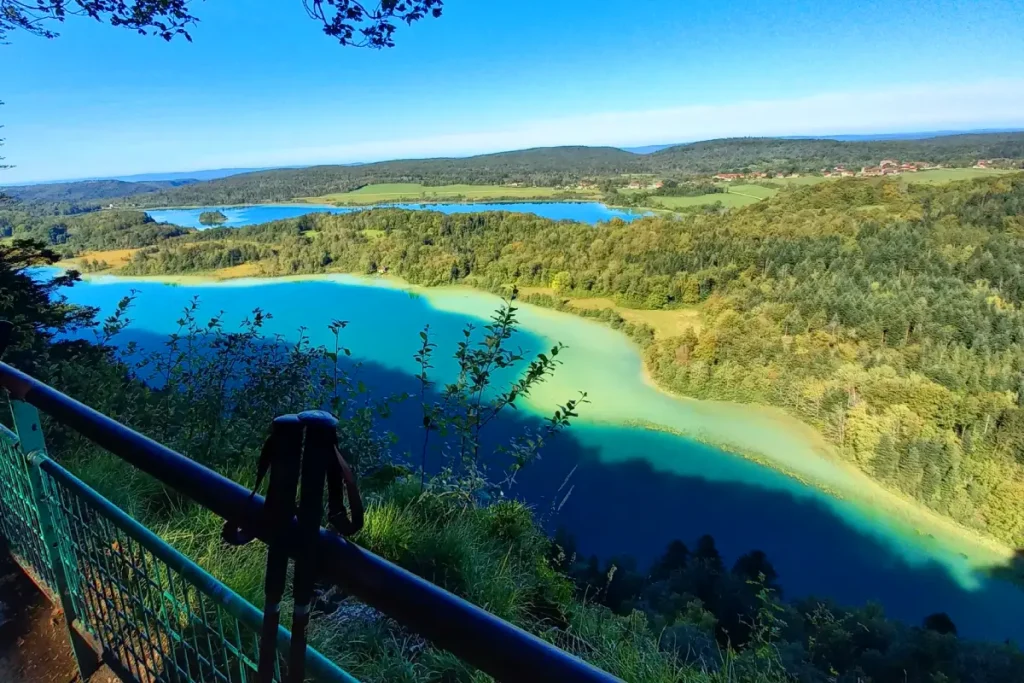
[(238, 216), (633, 490)]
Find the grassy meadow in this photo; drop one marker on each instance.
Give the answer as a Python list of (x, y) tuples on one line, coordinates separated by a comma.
[(665, 322), (735, 196), (946, 175)]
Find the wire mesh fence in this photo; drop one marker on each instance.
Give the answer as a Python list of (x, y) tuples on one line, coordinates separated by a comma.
[(155, 615), (19, 515)]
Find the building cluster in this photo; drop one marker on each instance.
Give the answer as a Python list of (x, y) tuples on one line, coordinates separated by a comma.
[(885, 167), (645, 185), (757, 175)]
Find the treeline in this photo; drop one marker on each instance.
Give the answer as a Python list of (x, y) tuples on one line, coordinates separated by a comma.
[(72, 234), (691, 188), (887, 316), (195, 258), (545, 167), (615, 196), (699, 607)]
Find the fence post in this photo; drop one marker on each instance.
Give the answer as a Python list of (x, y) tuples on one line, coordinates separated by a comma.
[(30, 434), (28, 427)]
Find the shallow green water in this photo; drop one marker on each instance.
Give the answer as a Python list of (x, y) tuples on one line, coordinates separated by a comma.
[(634, 489)]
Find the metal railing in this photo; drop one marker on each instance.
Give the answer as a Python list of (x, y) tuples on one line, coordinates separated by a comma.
[(127, 597), (155, 615)]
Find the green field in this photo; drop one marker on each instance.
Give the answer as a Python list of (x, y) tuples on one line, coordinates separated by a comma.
[(411, 192), (802, 180), (735, 196), (756, 191), (945, 175)]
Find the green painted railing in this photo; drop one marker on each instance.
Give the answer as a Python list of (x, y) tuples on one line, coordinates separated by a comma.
[(128, 599)]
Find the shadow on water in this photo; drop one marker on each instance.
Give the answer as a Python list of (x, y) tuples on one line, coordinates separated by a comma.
[(630, 507)]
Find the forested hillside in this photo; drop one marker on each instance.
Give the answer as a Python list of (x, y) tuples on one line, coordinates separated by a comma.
[(72, 234), (545, 167), (807, 155), (88, 191), (542, 167), (888, 316)]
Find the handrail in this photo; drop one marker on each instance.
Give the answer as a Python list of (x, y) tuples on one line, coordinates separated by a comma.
[(479, 638), (220, 594)]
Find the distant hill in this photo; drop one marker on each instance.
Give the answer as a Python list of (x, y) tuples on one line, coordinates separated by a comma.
[(88, 191), (913, 135), (812, 154), (543, 166), (846, 137), (211, 174), (647, 149)]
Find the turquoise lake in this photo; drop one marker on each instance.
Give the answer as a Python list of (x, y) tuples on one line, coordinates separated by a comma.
[(633, 489), (239, 216)]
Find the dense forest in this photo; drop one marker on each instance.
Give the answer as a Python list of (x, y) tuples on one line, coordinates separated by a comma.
[(887, 316), (75, 233), (688, 617), (542, 167)]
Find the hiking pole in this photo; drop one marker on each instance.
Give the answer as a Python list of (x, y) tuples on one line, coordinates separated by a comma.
[(301, 448), (280, 455), (322, 463)]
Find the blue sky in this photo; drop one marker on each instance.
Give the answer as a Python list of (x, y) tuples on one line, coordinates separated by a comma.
[(261, 86)]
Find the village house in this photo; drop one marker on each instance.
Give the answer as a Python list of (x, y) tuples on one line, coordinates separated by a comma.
[(983, 163), (729, 177)]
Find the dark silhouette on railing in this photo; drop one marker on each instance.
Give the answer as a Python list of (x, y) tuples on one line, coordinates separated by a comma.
[(479, 638)]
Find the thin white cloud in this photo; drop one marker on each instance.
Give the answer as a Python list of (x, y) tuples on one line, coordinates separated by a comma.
[(991, 104)]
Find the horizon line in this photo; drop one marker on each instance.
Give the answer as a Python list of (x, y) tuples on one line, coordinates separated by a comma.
[(241, 170)]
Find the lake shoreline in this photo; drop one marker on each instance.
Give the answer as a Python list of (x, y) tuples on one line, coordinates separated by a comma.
[(582, 210), (387, 205), (862, 491)]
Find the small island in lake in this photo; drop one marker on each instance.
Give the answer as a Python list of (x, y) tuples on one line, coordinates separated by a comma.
[(212, 218)]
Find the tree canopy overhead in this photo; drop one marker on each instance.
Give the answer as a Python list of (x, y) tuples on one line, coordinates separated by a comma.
[(352, 23)]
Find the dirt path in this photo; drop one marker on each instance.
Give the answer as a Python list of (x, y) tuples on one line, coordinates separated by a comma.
[(33, 643)]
